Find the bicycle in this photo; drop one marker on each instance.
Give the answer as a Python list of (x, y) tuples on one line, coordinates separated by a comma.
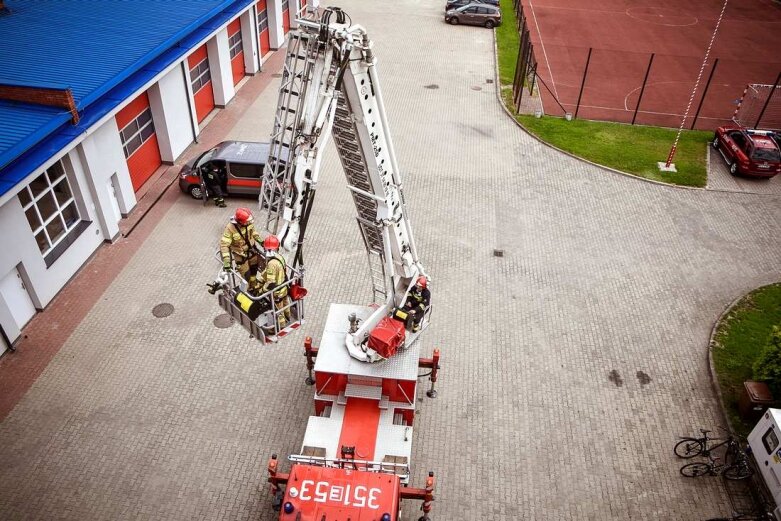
[(737, 470), (690, 447)]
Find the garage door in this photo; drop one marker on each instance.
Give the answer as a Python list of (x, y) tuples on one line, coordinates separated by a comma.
[(201, 80), (236, 50), (263, 36), (139, 142), (286, 16)]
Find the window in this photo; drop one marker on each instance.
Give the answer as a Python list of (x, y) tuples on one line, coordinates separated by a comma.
[(770, 440), (285, 5), (246, 170), (137, 132), (262, 21), (234, 44), (51, 211), (200, 75)]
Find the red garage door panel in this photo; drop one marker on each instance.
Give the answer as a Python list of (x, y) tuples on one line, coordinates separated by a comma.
[(236, 50), (143, 163), (200, 79), (286, 21), (139, 141), (263, 35)]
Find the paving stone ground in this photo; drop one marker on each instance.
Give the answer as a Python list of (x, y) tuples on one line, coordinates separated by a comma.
[(570, 364)]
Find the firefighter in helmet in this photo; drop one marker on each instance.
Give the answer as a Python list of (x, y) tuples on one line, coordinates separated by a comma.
[(240, 242), (214, 178), (273, 277), (418, 302)]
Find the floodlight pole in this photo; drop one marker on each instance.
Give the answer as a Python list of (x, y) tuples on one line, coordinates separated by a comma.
[(696, 85)]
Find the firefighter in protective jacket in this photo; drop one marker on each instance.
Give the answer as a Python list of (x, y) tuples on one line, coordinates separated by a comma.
[(274, 277), (418, 302), (240, 241)]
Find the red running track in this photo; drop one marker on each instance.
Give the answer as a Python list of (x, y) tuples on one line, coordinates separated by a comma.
[(623, 34)]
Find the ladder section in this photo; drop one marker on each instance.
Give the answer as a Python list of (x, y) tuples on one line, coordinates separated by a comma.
[(357, 174), (296, 76)]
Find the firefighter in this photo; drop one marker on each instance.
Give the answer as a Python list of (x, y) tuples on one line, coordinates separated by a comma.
[(241, 242), (418, 302), (215, 178), (274, 277)]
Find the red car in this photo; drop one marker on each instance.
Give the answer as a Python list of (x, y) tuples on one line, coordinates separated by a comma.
[(754, 153)]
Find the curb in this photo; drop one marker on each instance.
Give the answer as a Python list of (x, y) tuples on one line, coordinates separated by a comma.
[(714, 380)]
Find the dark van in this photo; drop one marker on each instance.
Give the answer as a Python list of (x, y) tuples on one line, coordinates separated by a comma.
[(243, 161)]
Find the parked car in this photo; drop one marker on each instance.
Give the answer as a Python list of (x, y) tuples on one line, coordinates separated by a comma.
[(242, 160), (754, 153), (455, 4), (475, 14)]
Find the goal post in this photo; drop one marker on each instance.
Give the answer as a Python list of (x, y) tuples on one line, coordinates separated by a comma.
[(759, 107)]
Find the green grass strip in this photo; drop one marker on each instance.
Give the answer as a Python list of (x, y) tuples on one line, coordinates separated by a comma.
[(740, 338)]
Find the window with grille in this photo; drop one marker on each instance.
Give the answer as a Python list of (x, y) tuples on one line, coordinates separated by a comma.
[(234, 43), (262, 20), (51, 211), (137, 132), (200, 75)]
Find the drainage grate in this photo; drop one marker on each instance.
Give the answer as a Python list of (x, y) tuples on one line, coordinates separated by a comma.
[(432, 86), (489, 80), (276, 75), (223, 321), (162, 310)]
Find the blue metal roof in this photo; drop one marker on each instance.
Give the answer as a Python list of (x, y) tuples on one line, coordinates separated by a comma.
[(103, 50)]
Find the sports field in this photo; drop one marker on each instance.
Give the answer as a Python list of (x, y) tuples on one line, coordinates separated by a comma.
[(623, 36)]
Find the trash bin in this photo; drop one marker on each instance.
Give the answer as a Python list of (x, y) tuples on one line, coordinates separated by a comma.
[(756, 397)]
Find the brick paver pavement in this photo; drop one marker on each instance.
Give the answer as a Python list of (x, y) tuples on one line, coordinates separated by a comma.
[(570, 363)]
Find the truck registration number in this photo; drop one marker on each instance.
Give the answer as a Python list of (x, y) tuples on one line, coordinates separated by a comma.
[(348, 495)]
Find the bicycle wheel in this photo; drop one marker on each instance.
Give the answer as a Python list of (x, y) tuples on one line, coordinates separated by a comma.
[(693, 470), (688, 448), (738, 471)]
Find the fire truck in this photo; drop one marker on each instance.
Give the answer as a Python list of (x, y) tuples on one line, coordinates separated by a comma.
[(354, 462)]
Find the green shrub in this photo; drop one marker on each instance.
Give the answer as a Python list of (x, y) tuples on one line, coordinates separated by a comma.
[(767, 368)]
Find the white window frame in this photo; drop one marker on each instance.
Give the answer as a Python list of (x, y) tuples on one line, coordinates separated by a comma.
[(201, 73), (138, 132), (48, 174), (234, 44)]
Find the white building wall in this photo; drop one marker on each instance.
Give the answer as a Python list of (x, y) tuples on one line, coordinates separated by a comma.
[(249, 41), (101, 158), (220, 65), (275, 30), (18, 246), (168, 99)]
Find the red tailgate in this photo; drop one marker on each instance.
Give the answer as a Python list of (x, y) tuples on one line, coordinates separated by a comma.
[(313, 492)]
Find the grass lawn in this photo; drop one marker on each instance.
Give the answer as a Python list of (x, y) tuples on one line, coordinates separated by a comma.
[(633, 149), (740, 338)]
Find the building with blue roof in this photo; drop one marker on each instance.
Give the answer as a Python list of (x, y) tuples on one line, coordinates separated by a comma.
[(96, 97)]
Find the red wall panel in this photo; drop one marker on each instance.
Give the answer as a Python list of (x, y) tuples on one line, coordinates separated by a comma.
[(144, 161), (263, 37), (286, 21), (204, 101), (132, 110)]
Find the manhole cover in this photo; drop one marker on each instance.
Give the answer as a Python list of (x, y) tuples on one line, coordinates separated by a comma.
[(276, 75), (432, 86), (162, 310), (477, 88), (223, 321)]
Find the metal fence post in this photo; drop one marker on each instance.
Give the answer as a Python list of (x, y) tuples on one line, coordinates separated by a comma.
[(642, 89), (583, 82), (767, 101), (705, 92)]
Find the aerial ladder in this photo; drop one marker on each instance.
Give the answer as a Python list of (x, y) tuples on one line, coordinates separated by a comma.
[(354, 461)]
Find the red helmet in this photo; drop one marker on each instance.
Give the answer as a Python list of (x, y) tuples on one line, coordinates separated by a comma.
[(271, 243), (422, 282), (243, 216)]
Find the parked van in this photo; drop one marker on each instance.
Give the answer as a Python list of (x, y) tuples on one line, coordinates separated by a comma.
[(242, 160)]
